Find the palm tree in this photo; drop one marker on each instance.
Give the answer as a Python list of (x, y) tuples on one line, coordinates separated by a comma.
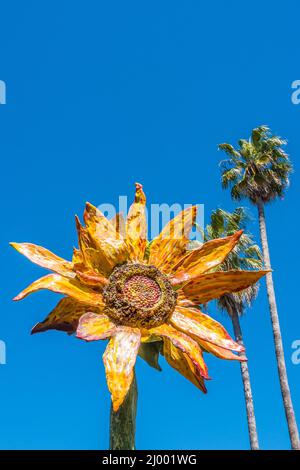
[(259, 170), (246, 255)]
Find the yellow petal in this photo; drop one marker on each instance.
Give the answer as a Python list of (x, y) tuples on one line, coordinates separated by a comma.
[(119, 224), (169, 247), (62, 285), (105, 237), (220, 352), (119, 360), (136, 225), (65, 316), (100, 255), (45, 258), (186, 344), (93, 327), (90, 278), (77, 256), (114, 251), (97, 225), (148, 337), (196, 323), (183, 364), (208, 256), (206, 287), (182, 301), (97, 260), (85, 243)]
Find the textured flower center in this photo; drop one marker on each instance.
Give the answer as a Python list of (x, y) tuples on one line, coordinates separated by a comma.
[(139, 295), (142, 291)]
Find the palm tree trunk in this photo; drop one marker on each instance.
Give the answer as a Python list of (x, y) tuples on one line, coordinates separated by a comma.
[(247, 386), (284, 384), (122, 422)]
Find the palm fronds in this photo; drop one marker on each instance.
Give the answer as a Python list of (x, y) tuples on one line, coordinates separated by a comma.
[(258, 169)]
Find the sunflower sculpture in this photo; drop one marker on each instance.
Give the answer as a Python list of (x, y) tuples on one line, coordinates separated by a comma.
[(121, 287)]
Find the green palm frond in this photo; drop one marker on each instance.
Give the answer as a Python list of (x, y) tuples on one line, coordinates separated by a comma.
[(229, 149), (230, 176), (258, 169), (258, 133)]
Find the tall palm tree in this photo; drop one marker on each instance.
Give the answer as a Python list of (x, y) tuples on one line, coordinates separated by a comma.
[(259, 170), (246, 255)]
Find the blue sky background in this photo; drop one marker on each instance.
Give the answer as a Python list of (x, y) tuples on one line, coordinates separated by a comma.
[(103, 94)]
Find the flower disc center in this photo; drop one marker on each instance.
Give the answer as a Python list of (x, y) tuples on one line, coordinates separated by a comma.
[(139, 295), (142, 291)]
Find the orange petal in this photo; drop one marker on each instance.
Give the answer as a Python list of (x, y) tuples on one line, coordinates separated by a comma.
[(98, 261), (183, 364), (136, 225), (148, 337), (91, 257), (220, 352), (85, 244), (91, 278), (105, 237), (196, 323), (64, 317), (119, 360), (100, 255), (93, 327), (77, 256), (62, 285), (186, 344), (169, 247), (182, 301), (45, 258), (97, 225), (208, 256), (113, 252), (119, 224), (205, 287)]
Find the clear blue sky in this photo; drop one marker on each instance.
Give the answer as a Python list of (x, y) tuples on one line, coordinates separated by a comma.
[(103, 94)]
